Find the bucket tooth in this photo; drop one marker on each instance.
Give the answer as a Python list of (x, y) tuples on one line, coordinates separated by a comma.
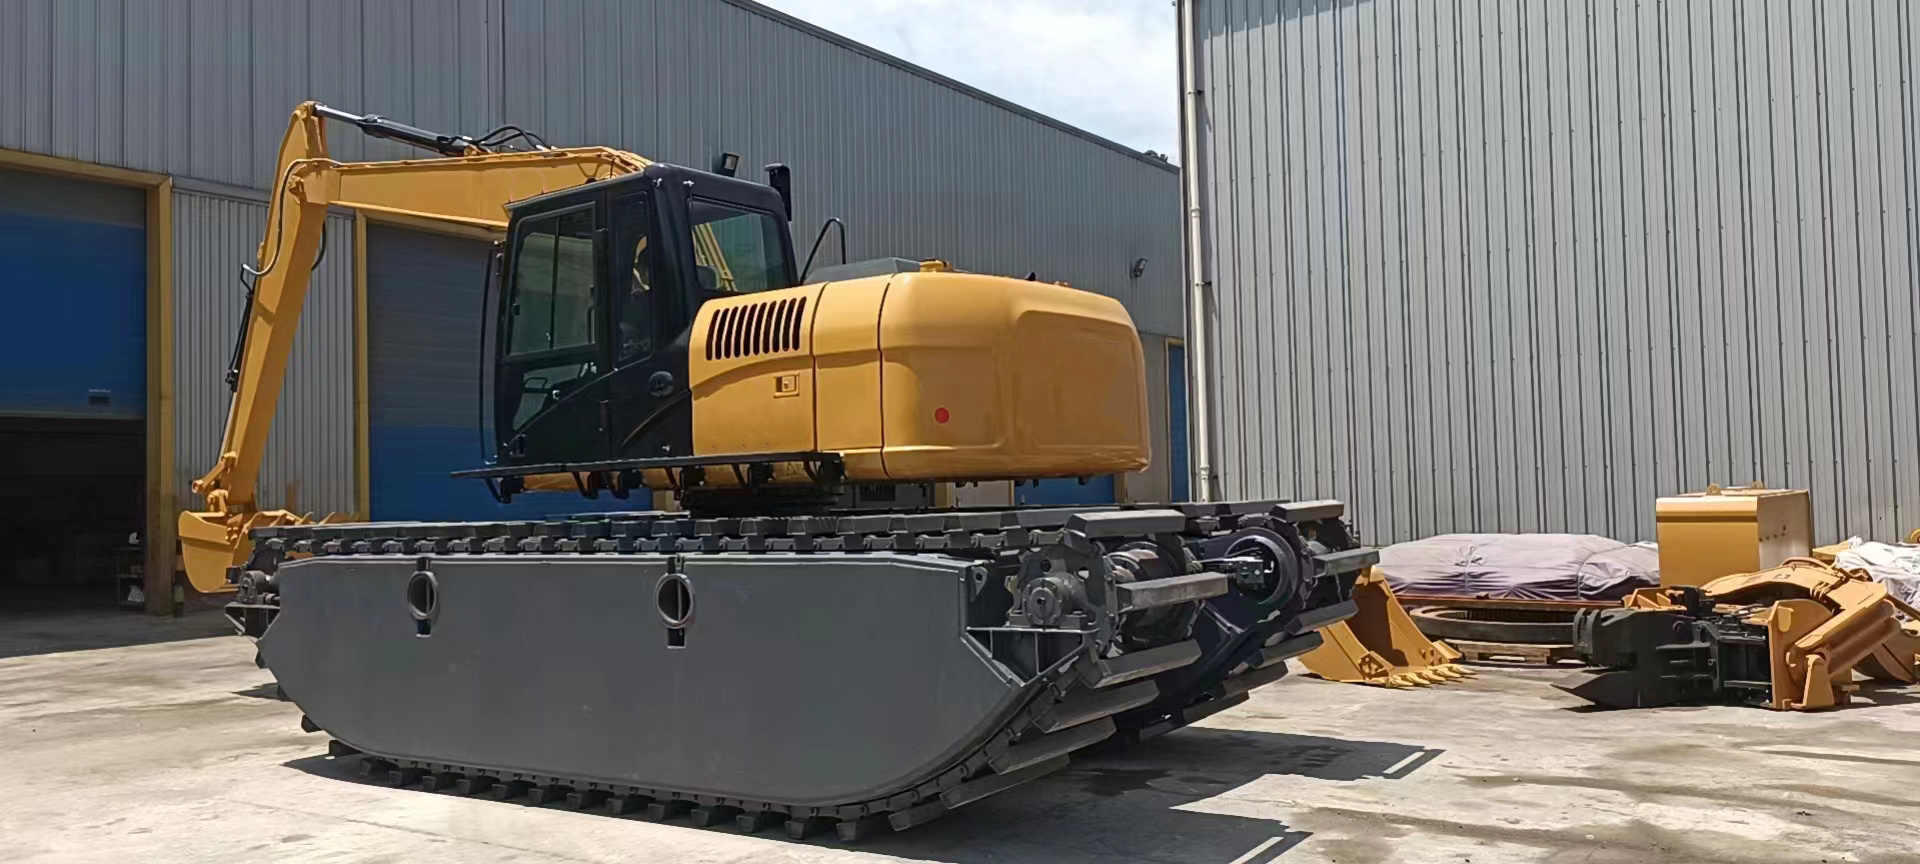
[(621, 805), (473, 784), (755, 821), (339, 749), (1088, 705), (661, 811), (372, 769), (509, 789), (1140, 664), (856, 830), (585, 799), (1038, 749), (540, 796), (707, 817)]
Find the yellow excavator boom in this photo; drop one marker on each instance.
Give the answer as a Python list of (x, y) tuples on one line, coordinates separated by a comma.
[(466, 185)]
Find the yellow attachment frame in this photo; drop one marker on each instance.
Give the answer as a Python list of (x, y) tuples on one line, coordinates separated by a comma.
[(1821, 623), (470, 190)]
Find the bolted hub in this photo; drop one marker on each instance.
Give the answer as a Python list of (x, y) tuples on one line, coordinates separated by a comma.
[(1050, 599)]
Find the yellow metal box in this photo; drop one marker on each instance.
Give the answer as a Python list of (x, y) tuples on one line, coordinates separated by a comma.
[(1706, 535)]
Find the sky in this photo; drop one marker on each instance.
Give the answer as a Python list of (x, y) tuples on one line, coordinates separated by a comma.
[(1107, 66)]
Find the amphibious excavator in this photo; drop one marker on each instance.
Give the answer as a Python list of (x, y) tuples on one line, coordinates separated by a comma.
[(807, 642)]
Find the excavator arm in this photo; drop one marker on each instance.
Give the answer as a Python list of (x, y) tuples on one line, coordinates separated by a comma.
[(467, 184)]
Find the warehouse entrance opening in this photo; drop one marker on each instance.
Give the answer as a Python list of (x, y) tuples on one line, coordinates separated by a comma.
[(73, 268), (73, 504)]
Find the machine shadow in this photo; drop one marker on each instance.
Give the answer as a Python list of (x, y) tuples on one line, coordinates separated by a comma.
[(1116, 803), (25, 631)]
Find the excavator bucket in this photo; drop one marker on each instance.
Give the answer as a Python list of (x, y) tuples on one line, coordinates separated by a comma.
[(211, 543), (1380, 645)]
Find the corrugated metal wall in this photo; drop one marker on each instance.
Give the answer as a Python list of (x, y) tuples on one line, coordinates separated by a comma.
[(201, 89), (309, 462), (917, 167), (1513, 266)]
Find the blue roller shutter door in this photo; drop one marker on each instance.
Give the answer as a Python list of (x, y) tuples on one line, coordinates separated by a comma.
[(73, 270)]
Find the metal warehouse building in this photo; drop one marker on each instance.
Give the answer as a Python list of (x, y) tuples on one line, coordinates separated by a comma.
[(1508, 266), (139, 137)]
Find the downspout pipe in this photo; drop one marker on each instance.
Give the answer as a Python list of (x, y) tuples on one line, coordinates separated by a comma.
[(1199, 409)]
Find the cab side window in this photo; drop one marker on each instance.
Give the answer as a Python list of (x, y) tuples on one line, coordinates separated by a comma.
[(552, 304)]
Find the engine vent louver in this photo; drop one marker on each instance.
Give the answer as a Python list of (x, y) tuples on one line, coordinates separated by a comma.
[(751, 329)]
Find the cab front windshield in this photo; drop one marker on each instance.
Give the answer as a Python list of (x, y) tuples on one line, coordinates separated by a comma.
[(736, 250)]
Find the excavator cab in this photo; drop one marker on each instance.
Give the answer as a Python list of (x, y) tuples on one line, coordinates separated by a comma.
[(593, 296)]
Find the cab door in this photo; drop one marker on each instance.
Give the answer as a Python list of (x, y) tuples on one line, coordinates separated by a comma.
[(651, 412), (554, 354)]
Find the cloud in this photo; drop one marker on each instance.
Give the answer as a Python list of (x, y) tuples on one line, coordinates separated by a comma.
[(1107, 66)]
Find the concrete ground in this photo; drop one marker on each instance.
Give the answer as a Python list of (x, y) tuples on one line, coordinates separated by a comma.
[(173, 751)]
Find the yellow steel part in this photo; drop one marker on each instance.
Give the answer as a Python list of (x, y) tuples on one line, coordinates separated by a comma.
[(751, 370), (1380, 645), (1706, 535), (989, 378), (469, 190), (967, 378), (1821, 622)]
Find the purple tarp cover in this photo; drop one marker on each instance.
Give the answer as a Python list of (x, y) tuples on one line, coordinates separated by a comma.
[(1520, 567)]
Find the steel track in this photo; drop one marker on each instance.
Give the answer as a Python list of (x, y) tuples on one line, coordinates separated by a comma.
[(1072, 705)]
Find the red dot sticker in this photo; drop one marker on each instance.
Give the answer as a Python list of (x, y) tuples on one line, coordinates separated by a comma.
[(940, 415)]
